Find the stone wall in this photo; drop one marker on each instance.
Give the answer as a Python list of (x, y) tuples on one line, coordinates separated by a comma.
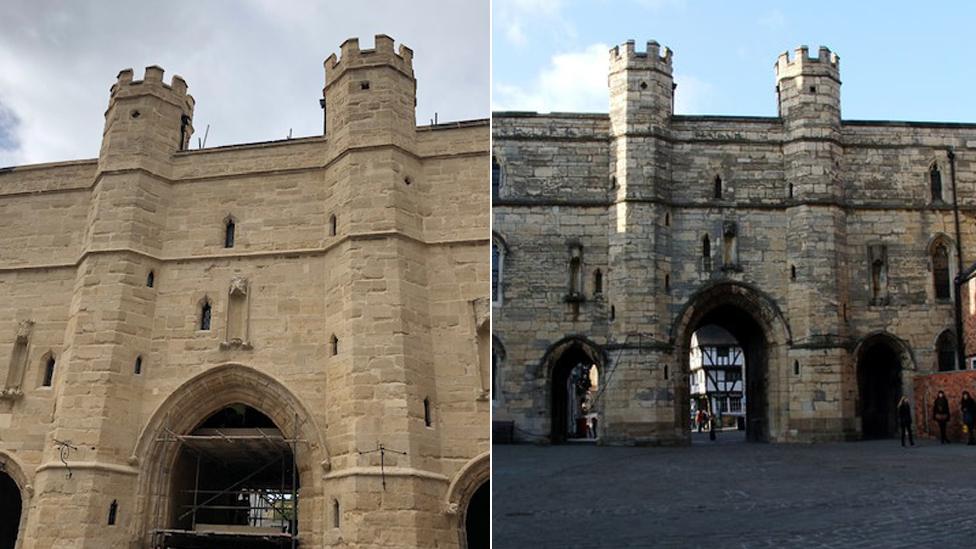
[(402, 285), (808, 197)]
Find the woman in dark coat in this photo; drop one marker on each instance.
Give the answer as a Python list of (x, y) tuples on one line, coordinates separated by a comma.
[(968, 406), (941, 414), (905, 420)]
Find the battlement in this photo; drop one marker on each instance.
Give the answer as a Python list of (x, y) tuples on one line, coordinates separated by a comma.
[(125, 86), (381, 54), (826, 63), (627, 57)]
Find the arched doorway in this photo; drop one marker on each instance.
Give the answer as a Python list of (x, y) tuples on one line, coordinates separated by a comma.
[(10, 509), (879, 387), (477, 518), (234, 484), (205, 398), (757, 325), (574, 366)]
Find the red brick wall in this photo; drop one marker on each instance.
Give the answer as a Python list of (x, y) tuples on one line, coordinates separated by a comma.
[(968, 295), (926, 389)]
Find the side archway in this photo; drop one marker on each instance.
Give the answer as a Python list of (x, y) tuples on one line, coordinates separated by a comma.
[(758, 324), (200, 398), (468, 499), (883, 364), (567, 367), (15, 495)]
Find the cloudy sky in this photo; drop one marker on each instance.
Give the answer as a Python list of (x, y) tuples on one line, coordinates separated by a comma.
[(900, 60), (253, 66)]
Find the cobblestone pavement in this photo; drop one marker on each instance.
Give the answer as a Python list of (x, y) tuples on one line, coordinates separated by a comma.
[(735, 494)]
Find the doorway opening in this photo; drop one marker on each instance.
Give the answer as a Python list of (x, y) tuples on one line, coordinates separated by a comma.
[(10, 509), (575, 383), (717, 381), (731, 311), (234, 485), (879, 388), (477, 518)]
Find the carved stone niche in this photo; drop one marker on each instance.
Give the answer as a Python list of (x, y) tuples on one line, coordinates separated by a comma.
[(237, 333), (18, 362)]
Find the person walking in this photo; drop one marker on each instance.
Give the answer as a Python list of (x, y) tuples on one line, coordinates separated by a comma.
[(968, 406), (905, 420), (940, 411)]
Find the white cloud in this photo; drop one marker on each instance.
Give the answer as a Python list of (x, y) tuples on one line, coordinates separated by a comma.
[(254, 67), (572, 82), (577, 82)]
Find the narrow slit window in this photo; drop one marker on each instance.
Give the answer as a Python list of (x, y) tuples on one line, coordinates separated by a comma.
[(707, 253), (229, 229), (333, 225), (150, 279), (796, 367), (113, 511), (598, 282), (49, 372), (427, 418), (138, 366), (205, 313), (717, 183), (792, 272), (334, 345), (335, 513)]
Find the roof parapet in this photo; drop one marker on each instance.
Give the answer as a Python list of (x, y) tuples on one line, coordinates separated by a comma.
[(383, 53)]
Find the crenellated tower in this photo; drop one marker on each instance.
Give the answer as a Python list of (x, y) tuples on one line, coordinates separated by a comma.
[(370, 95), (641, 101), (808, 91), (110, 318)]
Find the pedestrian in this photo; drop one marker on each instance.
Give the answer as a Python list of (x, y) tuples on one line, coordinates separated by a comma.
[(905, 420), (940, 411), (700, 419), (968, 406)]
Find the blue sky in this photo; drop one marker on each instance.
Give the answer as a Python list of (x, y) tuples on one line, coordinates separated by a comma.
[(899, 60)]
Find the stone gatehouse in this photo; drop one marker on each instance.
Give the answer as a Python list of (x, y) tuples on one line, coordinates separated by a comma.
[(827, 247), (272, 344)]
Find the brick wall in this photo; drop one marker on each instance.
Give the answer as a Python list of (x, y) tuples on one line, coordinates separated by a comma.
[(926, 389)]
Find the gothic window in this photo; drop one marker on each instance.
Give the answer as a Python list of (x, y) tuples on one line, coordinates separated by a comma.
[(706, 253), (335, 513), (935, 183), (138, 367), (48, 372), (333, 225), (717, 183), (597, 282), (229, 233), (150, 279), (945, 349), (940, 271), (205, 312)]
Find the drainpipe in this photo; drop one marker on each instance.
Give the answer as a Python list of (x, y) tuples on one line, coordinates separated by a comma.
[(960, 351)]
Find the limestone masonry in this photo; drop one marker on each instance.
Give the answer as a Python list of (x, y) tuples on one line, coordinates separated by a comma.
[(827, 247), (196, 338)]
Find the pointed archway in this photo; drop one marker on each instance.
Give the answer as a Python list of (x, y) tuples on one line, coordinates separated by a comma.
[(881, 361), (573, 366), (14, 495), (757, 323)]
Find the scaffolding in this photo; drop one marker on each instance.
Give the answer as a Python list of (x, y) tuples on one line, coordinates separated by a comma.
[(235, 504)]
